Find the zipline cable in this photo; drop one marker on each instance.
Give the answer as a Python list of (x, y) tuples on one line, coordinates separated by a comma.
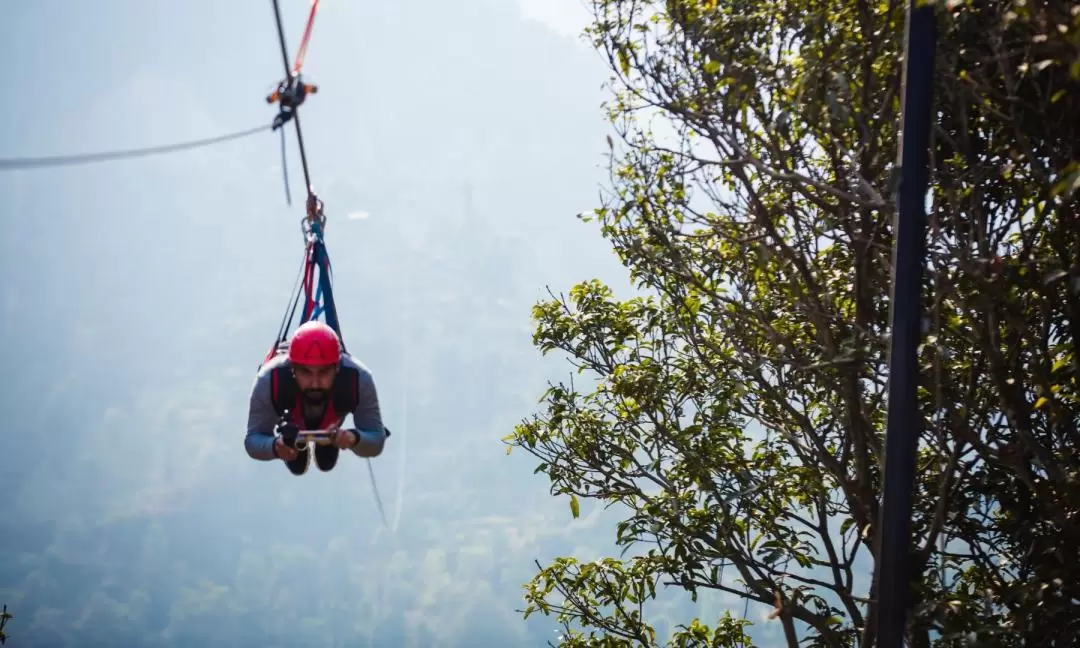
[(15, 164), (296, 111)]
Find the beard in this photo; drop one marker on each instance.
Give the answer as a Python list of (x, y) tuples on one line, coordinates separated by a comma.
[(314, 396)]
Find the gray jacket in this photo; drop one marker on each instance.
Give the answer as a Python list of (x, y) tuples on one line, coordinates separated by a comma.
[(262, 417)]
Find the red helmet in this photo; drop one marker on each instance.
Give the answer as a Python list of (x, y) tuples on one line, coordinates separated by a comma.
[(314, 343)]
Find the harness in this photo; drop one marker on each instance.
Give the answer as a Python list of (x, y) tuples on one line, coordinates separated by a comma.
[(286, 398)]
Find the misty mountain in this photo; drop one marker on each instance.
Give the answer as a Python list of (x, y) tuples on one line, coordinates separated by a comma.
[(452, 146)]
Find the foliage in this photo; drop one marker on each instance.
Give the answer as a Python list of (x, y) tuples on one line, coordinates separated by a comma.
[(739, 406), (5, 616)]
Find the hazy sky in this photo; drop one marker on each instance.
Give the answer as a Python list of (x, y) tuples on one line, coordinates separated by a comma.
[(566, 17)]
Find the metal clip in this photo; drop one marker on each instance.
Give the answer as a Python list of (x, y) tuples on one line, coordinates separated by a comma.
[(314, 223)]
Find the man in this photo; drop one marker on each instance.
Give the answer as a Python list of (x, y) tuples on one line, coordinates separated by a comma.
[(313, 387), (289, 97)]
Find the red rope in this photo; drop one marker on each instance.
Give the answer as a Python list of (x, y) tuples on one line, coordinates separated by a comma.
[(302, 50), (309, 281)]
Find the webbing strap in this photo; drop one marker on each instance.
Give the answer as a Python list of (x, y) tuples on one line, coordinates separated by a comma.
[(323, 300), (309, 277), (318, 295), (302, 50)]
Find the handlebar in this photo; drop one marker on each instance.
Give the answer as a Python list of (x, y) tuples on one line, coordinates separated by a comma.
[(302, 438)]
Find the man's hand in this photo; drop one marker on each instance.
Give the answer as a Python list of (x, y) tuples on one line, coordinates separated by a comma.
[(343, 439), (285, 452)]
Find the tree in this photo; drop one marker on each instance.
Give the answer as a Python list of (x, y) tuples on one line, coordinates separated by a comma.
[(738, 407), (5, 616)]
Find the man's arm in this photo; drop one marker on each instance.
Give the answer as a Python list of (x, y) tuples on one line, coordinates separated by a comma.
[(370, 433), (262, 419)]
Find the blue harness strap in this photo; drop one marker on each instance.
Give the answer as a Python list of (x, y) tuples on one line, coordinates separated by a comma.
[(322, 301)]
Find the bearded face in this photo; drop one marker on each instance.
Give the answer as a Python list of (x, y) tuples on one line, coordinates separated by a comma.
[(314, 397), (314, 382)]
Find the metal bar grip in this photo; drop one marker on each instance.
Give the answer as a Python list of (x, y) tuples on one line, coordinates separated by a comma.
[(305, 437)]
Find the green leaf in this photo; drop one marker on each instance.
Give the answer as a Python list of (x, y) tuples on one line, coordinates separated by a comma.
[(1069, 184), (574, 507), (737, 415), (624, 61)]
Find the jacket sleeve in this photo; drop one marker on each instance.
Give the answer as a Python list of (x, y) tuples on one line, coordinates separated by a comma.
[(370, 433), (262, 419)]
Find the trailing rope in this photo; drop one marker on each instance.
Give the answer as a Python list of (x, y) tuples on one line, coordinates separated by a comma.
[(19, 163)]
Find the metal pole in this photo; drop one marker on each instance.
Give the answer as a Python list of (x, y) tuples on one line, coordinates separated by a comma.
[(892, 570)]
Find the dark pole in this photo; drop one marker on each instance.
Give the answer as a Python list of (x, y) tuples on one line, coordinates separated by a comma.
[(902, 435)]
